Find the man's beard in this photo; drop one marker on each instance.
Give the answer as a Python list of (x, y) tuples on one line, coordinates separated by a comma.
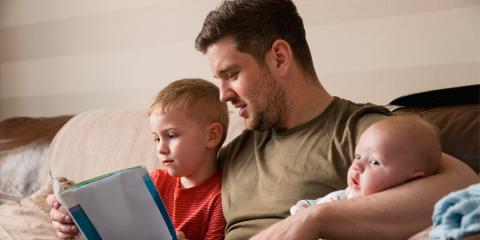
[(269, 108)]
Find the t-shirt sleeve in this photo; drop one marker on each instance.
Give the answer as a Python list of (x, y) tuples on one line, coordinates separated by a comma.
[(216, 224)]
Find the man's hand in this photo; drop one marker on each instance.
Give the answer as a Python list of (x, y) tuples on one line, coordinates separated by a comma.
[(296, 227), (61, 221)]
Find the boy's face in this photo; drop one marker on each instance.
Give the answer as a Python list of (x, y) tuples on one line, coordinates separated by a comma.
[(248, 86), (181, 143), (381, 161)]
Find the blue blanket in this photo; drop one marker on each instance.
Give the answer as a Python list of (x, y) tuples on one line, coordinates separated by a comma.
[(457, 214)]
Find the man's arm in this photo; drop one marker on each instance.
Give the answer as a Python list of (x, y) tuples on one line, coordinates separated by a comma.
[(396, 213)]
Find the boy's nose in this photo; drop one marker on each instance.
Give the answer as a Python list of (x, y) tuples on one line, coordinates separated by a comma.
[(163, 150)]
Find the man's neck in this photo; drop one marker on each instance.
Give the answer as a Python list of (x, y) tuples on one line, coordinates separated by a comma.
[(307, 99)]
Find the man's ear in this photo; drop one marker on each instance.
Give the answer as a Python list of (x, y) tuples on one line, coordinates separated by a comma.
[(214, 134), (280, 57)]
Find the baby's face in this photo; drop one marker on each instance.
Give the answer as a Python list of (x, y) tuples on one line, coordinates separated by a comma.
[(379, 163)]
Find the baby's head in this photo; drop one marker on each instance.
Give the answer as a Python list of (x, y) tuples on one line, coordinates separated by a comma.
[(394, 151), (189, 124)]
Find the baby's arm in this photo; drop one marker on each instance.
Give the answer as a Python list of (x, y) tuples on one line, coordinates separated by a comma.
[(302, 204)]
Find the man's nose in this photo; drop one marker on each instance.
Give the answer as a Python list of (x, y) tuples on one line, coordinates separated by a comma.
[(226, 93)]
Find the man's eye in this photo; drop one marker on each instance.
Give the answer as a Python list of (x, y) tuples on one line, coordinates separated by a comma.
[(374, 162), (232, 76)]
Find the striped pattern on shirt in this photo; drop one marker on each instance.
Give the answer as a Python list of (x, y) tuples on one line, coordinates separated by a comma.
[(196, 211)]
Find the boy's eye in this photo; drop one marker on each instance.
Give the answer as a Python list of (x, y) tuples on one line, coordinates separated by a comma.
[(374, 162), (172, 135)]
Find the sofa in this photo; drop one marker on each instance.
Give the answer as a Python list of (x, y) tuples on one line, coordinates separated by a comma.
[(96, 142)]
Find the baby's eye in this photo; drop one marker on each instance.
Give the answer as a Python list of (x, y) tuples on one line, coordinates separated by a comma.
[(358, 157), (374, 162)]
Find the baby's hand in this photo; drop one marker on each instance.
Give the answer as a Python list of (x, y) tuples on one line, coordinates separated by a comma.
[(302, 204)]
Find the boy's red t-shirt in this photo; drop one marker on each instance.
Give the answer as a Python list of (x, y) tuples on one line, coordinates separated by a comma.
[(195, 211)]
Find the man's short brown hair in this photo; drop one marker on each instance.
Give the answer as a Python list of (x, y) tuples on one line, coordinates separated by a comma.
[(255, 25)]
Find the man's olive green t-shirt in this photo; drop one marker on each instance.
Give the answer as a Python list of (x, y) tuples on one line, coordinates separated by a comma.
[(266, 172)]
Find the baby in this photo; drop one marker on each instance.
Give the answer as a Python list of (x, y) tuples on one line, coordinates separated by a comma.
[(391, 152)]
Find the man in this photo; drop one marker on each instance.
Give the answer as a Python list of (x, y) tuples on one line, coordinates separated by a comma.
[(300, 140)]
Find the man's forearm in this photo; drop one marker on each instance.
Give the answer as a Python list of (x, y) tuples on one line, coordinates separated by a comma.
[(392, 214)]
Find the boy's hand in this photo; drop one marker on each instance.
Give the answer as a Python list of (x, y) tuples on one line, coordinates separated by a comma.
[(181, 236), (61, 221)]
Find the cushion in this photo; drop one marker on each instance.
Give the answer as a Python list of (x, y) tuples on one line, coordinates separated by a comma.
[(97, 142), (459, 129)]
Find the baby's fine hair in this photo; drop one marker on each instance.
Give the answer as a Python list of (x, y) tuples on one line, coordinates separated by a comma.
[(423, 136), (198, 98)]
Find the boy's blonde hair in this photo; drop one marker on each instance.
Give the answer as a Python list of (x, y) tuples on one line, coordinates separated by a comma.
[(200, 99)]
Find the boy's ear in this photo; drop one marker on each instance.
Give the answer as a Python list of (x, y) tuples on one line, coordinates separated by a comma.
[(280, 57), (214, 134)]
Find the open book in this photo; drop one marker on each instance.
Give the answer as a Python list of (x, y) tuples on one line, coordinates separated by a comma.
[(120, 205)]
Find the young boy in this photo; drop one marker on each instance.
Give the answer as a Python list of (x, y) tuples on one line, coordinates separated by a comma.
[(189, 125), (391, 152)]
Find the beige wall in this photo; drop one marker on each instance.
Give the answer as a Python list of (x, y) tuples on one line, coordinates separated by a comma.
[(63, 57)]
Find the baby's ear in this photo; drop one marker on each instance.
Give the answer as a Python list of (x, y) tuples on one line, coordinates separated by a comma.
[(214, 134), (416, 175)]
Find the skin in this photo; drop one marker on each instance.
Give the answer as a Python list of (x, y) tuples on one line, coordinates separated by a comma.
[(368, 217), (251, 87), (383, 159), (185, 147)]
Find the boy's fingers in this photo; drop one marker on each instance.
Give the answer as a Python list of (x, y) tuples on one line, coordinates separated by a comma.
[(58, 216), (180, 235), (52, 202), (65, 231)]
